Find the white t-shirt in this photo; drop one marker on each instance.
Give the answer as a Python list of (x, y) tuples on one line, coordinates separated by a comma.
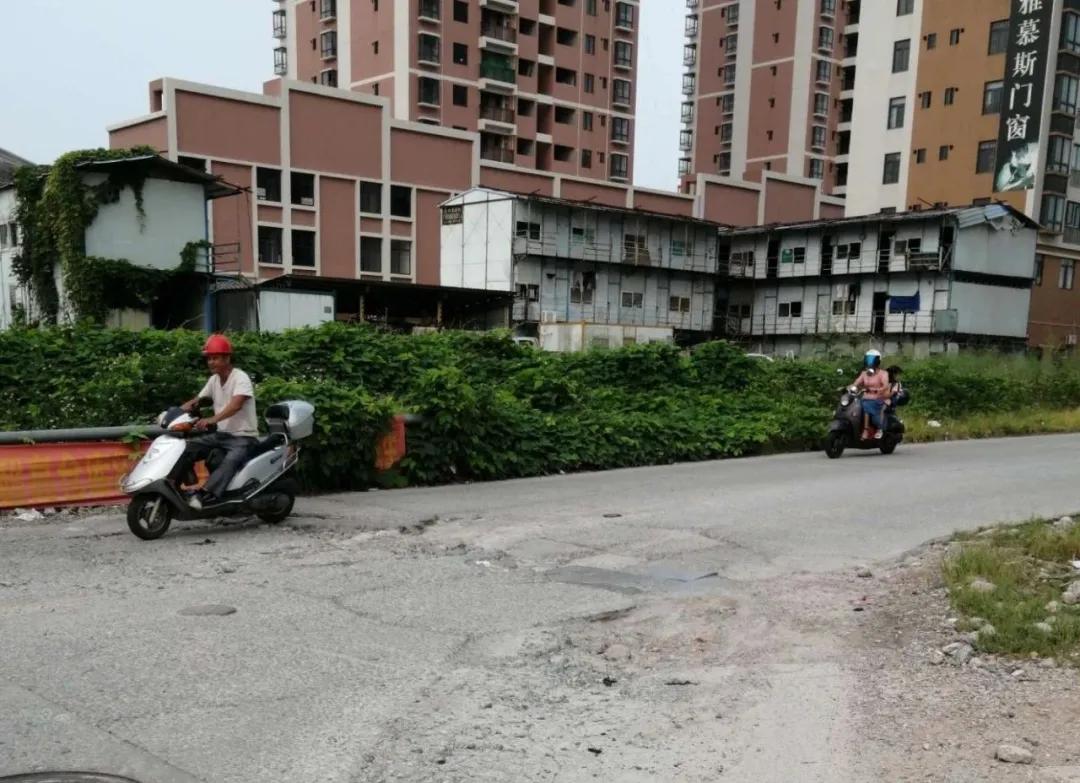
[(243, 422)]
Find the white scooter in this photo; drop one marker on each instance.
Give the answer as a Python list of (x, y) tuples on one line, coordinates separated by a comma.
[(263, 486)]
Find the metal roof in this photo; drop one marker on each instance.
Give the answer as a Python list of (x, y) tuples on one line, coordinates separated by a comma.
[(965, 216), (163, 168), (502, 195)]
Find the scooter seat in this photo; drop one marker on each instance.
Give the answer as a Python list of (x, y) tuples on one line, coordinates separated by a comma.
[(263, 445)]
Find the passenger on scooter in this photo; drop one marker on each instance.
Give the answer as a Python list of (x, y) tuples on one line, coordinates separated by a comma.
[(897, 393), (233, 397), (875, 385)]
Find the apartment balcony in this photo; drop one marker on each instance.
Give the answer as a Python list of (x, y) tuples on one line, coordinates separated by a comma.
[(689, 57), (689, 86), (497, 154), (506, 6), (280, 28), (691, 3), (687, 116), (497, 77), (692, 27), (497, 119), (428, 55), (327, 10), (1071, 236), (498, 38), (430, 11)]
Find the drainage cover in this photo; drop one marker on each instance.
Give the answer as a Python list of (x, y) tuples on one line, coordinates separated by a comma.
[(65, 777)]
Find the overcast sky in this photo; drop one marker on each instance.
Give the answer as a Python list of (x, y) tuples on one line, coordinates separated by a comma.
[(92, 59)]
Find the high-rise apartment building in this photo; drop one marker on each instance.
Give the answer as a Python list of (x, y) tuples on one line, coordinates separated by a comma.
[(548, 84), (763, 87)]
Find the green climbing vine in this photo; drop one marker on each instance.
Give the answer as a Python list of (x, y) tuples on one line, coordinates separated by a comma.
[(55, 206)]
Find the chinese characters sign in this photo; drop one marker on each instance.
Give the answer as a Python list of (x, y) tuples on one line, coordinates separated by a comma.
[(1021, 96)]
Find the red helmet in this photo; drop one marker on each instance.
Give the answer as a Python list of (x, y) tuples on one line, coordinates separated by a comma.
[(217, 344)]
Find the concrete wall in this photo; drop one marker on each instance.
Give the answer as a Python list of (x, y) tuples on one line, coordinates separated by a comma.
[(175, 215)]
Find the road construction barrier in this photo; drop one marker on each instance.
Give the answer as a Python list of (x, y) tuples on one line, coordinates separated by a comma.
[(78, 468)]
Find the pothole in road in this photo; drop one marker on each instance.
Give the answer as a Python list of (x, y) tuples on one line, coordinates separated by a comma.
[(65, 777)]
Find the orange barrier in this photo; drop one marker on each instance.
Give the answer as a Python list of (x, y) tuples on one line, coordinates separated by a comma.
[(64, 474), (88, 474)]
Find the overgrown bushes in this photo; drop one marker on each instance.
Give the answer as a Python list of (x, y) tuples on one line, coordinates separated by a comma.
[(492, 409)]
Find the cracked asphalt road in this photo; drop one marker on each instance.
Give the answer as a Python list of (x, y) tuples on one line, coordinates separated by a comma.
[(617, 626)]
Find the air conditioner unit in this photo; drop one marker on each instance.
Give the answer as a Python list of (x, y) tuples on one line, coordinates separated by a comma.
[(307, 202), (549, 317), (260, 193), (1070, 339)]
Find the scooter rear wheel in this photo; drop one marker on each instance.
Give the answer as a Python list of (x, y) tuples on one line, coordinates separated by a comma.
[(149, 516), (276, 506), (834, 445)]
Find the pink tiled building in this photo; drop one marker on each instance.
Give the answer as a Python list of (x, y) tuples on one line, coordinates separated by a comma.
[(339, 194), (548, 84)]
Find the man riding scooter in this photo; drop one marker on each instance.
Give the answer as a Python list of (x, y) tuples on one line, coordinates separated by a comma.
[(876, 388), (233, 397)]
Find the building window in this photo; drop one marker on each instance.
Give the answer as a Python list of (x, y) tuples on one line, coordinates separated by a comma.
[(590, 83), (1067, 275), (723, 163), (587, 120), (268, 184), (527, 230), (281, 61), (817, 137), (529, 292), (1039, 260), (624, 15), (999, 37), (303, 248), (926, 99), (943, 152), (590, 44), (429, 90), (1065, 93), (461, 11), (565, 37), (621, 92), (954, 36), (586, 159), (590, 7), (825, 39), (1072, 215), (302, 189), (950, 96), (984, 163), (620, 129), (461, 54), (400, 201), (400, 257), (824, 71), (566, 76), (905, 7), (623, 54), (371, 198), (896, 113), (564, 115), (269, 245), (679, 304), (328, 44), (727, 131), (371, 255), (429, 49), (1052, 214), (901, 56), (1058, 155), (328, 78), (821, 103), (461, 95), (633, 300), (992, 97), (620, 166), (931, 41), (816, 168), (891, 173), (327, 9), (789, 310), (1070, 32), (920, 155)]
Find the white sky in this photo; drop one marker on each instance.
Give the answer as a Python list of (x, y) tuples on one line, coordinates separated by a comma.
[(71, 67)]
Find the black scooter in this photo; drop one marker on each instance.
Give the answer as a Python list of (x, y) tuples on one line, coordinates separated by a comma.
[(846, 429)]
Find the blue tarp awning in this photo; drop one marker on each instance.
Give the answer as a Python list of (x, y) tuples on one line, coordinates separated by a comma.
[(904, 304)]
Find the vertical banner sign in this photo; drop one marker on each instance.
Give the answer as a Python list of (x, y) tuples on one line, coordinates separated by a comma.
[(1021, 98)]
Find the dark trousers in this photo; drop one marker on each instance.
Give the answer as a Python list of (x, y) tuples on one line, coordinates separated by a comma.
[(236, 451)]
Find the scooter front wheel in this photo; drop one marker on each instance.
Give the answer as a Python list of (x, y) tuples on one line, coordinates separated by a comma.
[(834, 445), (149, 516)]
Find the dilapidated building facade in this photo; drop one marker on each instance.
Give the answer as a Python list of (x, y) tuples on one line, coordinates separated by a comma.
[(583, 275), (916, 281)]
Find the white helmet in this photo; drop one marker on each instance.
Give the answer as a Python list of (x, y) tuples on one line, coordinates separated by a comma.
[(872, 359)]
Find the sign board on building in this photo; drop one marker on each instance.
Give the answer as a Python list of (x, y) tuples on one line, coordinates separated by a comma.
[(1018, 157), (451, 216)]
